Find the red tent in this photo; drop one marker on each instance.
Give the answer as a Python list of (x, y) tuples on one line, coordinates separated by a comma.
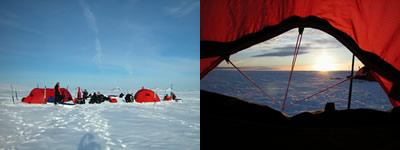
[(37, 96), (146, 95), (369, 29)]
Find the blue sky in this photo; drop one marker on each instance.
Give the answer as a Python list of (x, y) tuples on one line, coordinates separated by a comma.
[(318, 51), (100, 44)]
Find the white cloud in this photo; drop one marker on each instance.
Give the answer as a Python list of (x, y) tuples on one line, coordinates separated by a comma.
[(90, 18), (313, 39), (98, 51), (183, 9)]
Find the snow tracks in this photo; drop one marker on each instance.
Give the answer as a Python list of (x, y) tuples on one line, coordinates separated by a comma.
[(44, 126)]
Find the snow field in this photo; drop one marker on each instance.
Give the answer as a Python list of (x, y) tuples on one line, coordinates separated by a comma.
[(304, 83), (164, 125)]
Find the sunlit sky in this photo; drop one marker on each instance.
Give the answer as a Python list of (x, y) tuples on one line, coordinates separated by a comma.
[(319, 51), (100, 44)]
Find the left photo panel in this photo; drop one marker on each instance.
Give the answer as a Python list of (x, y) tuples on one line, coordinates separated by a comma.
[(100, 74)]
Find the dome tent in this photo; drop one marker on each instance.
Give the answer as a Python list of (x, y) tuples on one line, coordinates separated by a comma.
[(36, 96), (146, 96)]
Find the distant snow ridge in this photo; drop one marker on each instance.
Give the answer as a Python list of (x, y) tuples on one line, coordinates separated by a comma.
[(116, 89)]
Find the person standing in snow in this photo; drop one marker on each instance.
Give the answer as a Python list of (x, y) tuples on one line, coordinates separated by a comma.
[(85, 94), (173, 96), (128, 98), (57, 93), (93, 99)]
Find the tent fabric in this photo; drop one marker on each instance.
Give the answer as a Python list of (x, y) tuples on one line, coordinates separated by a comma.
[(208, 64), (145, 96), (66, 94), (369, 29), (79, 93), (51, 99), (113, 100), (365, 74), (36, 96), (386, 85), (167, 98)]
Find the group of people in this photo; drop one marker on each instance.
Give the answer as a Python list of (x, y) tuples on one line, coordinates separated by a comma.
[(81, 99), (95, 98), (58, 96)]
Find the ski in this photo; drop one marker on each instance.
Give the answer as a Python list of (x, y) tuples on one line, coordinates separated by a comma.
[(16, 95), (170, 94), (12, 94)]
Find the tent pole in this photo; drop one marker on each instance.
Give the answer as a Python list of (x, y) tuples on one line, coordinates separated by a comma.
[(351, 83)]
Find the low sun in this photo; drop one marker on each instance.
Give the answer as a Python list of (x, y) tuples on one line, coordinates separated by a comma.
[(324, 63)]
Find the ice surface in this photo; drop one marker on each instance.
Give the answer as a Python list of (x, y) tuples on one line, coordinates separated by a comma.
[(365, 94), (164, 125)]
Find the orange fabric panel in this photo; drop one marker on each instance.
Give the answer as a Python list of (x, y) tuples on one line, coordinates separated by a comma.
[(66, 94), (208, 64), (36, 97), (386, 86)]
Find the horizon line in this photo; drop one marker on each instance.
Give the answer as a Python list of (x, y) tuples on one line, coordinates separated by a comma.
[(281, 70)]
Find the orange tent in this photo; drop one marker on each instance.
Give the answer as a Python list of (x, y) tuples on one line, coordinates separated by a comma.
[(37, 96), (145, 96)]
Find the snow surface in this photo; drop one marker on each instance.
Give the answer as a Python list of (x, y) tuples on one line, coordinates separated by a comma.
[(304, 83), (164, 125)]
